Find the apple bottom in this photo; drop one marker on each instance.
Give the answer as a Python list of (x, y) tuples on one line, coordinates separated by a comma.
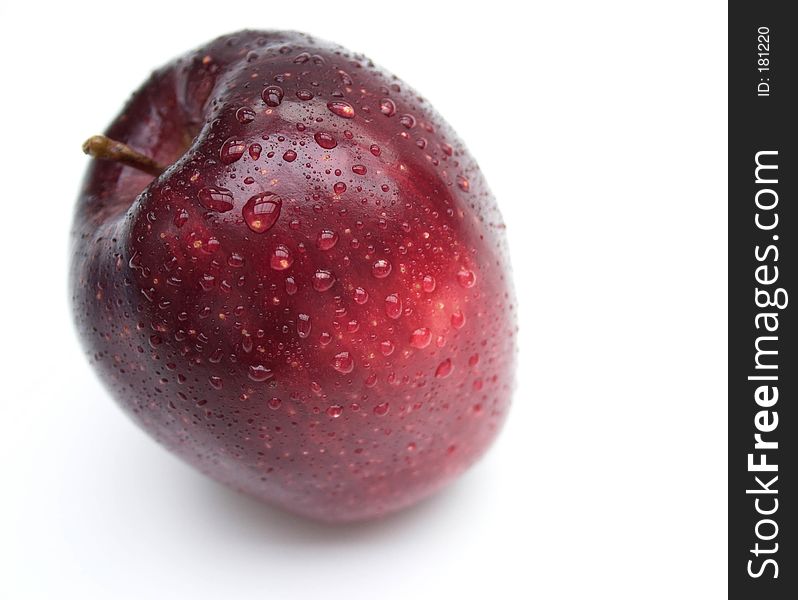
[(353, 491)]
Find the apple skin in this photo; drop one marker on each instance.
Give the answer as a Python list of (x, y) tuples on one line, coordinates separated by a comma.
[(312, 304)]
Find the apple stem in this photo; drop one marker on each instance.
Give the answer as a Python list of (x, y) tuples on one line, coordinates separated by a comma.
[(104, 148)]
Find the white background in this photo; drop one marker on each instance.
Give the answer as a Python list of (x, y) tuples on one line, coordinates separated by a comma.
[(604, 138)]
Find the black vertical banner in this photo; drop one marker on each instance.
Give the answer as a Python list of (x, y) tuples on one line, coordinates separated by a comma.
[(763, 266)]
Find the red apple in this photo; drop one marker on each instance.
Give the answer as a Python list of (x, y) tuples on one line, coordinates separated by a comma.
[(293, 275)]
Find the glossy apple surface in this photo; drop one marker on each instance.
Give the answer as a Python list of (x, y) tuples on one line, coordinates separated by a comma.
[(312, 302)]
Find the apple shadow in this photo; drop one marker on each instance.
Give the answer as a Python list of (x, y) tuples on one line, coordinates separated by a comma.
[(248, 519)]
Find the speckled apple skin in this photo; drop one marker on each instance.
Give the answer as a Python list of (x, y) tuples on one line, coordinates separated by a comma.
[(220, 340)]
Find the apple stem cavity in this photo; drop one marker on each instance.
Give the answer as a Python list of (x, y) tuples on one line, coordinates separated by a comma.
[(104, 148)]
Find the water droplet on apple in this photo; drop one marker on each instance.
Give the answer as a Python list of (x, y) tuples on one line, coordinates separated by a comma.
[(466, 278), (323, 280), (272, 95), (345, 78), (335, 411), (235, 260), (211, 246), (339, 187), (387, 347), (289, 156), (217, 199), (381, 268), (325, 140), (255, 150), (444, 369), (274, 403), (421, 337), (258, 372), (303, 325), (428, 283), (387, 107), (247, 343), (473, 360), (343, 363), (393, 306), (262, 211), (207, 282), (341, 108), (382, 409), (304, 95), (463, 183), (245, 115), (281, 258), (360, 295), (181, 217), (359, 169), (407, 121), (216, 382), (232, 150), (458, 319), (327, 239), (290, 286)]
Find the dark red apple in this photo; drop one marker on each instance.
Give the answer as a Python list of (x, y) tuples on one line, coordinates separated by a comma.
[(293, 275)]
